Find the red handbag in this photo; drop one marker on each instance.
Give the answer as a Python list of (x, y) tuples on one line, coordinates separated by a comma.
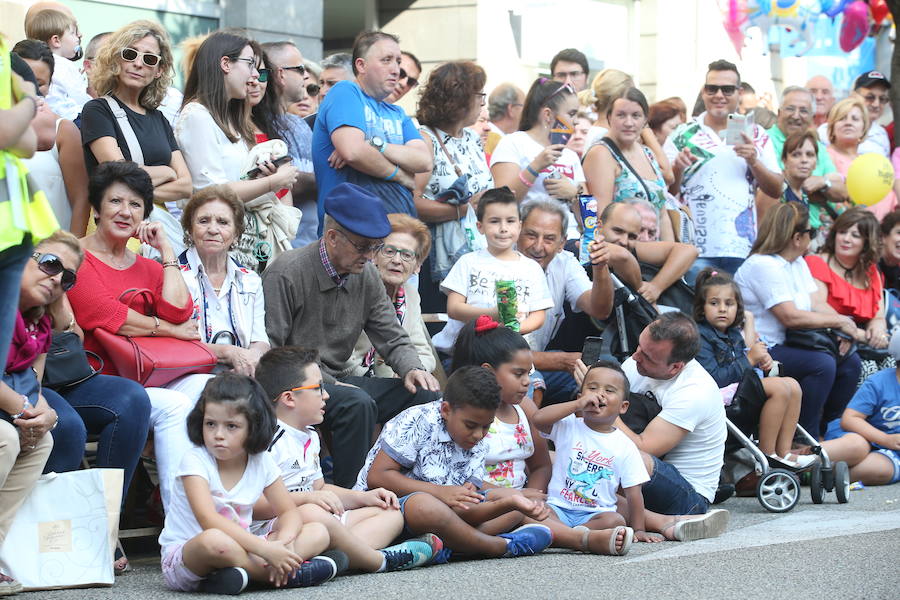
[(153, 361)]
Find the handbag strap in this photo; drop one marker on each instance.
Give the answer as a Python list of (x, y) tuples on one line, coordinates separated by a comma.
[(136, 292), (134, 147), (446, 153), (618, 154)]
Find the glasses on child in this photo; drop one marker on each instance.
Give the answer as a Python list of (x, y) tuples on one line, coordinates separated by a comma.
[(318, 386), (50, 264), (149, 59), (392, 251)]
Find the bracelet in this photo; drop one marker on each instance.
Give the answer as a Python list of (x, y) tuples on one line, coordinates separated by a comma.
[(534, 173), (155, 327), (391, 176), (170, 263), (25, 404), (525, 181)]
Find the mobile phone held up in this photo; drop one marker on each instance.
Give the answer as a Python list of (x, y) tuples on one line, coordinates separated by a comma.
[(737, 124), (561, 132), (254, 172), (590, 353)]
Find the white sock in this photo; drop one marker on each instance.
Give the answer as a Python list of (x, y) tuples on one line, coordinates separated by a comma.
[(383, 566)]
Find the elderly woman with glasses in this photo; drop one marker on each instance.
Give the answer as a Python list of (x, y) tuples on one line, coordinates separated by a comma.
[(398, 259)]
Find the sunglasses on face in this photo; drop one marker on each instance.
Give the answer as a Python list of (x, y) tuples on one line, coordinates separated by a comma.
[(50, 264), (312, 89), (810, 231), (263, 75), (412, 81), (727, 90), (871, 98), (299, 68), (148, 58)]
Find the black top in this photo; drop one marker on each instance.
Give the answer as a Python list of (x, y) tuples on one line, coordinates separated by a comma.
[(891, 275), (152, 131)]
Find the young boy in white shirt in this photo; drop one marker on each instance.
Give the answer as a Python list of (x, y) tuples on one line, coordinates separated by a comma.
[(68, 86), (470, 285), (361, 524)]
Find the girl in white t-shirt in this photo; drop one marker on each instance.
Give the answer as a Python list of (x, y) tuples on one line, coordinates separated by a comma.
[(534, 161), (516, 455), (206, 542)]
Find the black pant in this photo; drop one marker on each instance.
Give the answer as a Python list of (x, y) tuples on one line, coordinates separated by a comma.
[(351, 415)]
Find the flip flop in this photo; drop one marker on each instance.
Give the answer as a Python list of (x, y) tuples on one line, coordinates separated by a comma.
[(120, 561), (712, 524)]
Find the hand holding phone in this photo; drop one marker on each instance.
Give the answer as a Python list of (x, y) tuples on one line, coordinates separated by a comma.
[(590, 353)]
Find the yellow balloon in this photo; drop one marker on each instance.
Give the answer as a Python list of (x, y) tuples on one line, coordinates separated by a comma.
[(869, 178)]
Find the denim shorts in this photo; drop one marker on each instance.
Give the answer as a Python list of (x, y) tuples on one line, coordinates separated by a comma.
[(406, 533), (572, 517), (669, 493)]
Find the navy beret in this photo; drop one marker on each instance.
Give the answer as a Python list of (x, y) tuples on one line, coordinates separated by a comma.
[(358, 211)]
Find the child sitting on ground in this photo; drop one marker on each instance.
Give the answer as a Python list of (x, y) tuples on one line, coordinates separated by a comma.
[(867, 436), (471, 284), (68, 86), (726, 333), (206, 542), (594, 459), (517, 455), (358, 523), (432, 457)]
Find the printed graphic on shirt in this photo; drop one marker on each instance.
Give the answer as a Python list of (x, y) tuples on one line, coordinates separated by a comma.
[(585, 471)]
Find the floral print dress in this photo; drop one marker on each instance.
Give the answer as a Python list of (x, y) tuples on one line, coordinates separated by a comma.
[(509, 445)]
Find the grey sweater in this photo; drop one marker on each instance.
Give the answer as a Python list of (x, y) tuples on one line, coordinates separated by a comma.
[(304, 307)]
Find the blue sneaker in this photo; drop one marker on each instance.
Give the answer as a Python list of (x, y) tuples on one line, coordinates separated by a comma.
[(442, 557), (229, 581), (414, 552), (527, 540), (314, 571)]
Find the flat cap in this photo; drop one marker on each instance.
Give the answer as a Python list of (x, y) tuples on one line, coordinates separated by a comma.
[(358, 211)]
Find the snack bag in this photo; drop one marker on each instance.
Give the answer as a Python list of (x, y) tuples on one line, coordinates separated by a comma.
[(507, 303), (588, 208)]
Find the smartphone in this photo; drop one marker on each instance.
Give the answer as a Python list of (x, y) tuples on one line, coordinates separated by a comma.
[(254, 172), (737, 124), (590, 353), (561, 132)]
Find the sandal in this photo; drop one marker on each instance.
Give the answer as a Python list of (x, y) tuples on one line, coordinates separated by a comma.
[(120, 561), (626, 543)]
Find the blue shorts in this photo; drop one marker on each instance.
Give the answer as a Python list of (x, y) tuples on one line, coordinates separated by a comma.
[(669, 493), (406, 533), (572, 517), (894, 457)]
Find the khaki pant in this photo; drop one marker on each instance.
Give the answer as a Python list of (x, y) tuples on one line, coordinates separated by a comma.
[(19, 471)]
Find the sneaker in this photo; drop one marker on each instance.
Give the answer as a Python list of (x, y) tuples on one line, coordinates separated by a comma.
[(712, 524), (340, 558), (441, 557), (230, 581), (527, 540), (412, 553), (314, 571), (8, 585)]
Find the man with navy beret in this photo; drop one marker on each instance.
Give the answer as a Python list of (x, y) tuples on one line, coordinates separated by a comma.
[(323, 296)]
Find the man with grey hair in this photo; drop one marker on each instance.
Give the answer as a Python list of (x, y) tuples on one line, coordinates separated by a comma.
[(541, 238), (505, 105), (287, 71), (90, 54), (335, 67), (796, 114), (823, 92)]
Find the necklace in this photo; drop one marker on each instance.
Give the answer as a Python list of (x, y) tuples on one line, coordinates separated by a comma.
[(848, 272)]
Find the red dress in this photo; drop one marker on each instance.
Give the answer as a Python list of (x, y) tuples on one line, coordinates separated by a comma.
[(860, 304), (95, 299)]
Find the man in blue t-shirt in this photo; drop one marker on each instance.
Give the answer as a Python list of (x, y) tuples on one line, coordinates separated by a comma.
[(867, 436), (360, 138)]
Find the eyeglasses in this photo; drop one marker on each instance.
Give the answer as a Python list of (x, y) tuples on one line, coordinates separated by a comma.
[(408, 256), (50, 264), (263, 75), (149, 59), (801, 110), (318, 386), (727, 90), (412, 81), (313, 89), (482, 96), (563, 75), (370, 249), (251, 62), (299, 68), (882, 99), (811, 231)]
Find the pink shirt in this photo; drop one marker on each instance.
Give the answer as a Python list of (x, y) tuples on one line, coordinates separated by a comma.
[(28, 342)]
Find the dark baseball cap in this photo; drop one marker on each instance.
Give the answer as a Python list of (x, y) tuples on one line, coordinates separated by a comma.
[(871, 78)]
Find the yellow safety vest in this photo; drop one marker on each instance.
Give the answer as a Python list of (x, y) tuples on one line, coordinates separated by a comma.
[(23, 206)]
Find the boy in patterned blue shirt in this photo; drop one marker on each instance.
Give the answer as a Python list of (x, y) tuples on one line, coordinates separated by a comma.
[(432, 457)]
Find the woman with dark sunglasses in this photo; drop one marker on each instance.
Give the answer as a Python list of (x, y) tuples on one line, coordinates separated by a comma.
[(116, 409)]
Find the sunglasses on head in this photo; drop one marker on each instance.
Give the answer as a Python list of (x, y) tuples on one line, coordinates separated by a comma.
[(50, 264), (149, 59), (412, 81), (727, 90)]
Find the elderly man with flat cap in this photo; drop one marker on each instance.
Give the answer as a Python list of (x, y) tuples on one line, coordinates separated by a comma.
[(323, 296)]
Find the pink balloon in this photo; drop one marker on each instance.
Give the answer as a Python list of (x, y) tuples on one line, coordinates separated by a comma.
[(856, 25)]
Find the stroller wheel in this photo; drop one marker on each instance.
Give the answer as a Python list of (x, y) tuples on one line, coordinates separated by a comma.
[(816, 485), (842, 482), (778, 491)]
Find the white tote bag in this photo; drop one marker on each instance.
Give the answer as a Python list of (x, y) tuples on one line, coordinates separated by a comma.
[(64, 535)]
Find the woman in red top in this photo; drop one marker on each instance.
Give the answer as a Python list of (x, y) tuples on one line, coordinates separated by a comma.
[(847, 277), (121, 194)]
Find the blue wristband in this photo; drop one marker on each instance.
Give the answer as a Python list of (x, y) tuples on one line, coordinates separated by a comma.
[(534, 173), (391, 176)]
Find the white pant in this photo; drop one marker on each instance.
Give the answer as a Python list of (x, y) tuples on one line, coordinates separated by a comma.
[(169, 408)]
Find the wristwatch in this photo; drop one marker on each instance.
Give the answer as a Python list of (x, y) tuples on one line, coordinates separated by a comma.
[(827, 185), (377, 142)]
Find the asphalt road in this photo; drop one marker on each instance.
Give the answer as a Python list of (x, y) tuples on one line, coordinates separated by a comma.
[(823, 552)]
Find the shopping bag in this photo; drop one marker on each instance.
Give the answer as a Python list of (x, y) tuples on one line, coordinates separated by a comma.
[(64, 535)]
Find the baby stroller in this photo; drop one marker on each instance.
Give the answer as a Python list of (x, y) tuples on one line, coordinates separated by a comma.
[(778, 489)]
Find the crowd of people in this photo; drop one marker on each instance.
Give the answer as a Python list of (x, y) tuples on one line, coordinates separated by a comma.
[(291, 222)]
